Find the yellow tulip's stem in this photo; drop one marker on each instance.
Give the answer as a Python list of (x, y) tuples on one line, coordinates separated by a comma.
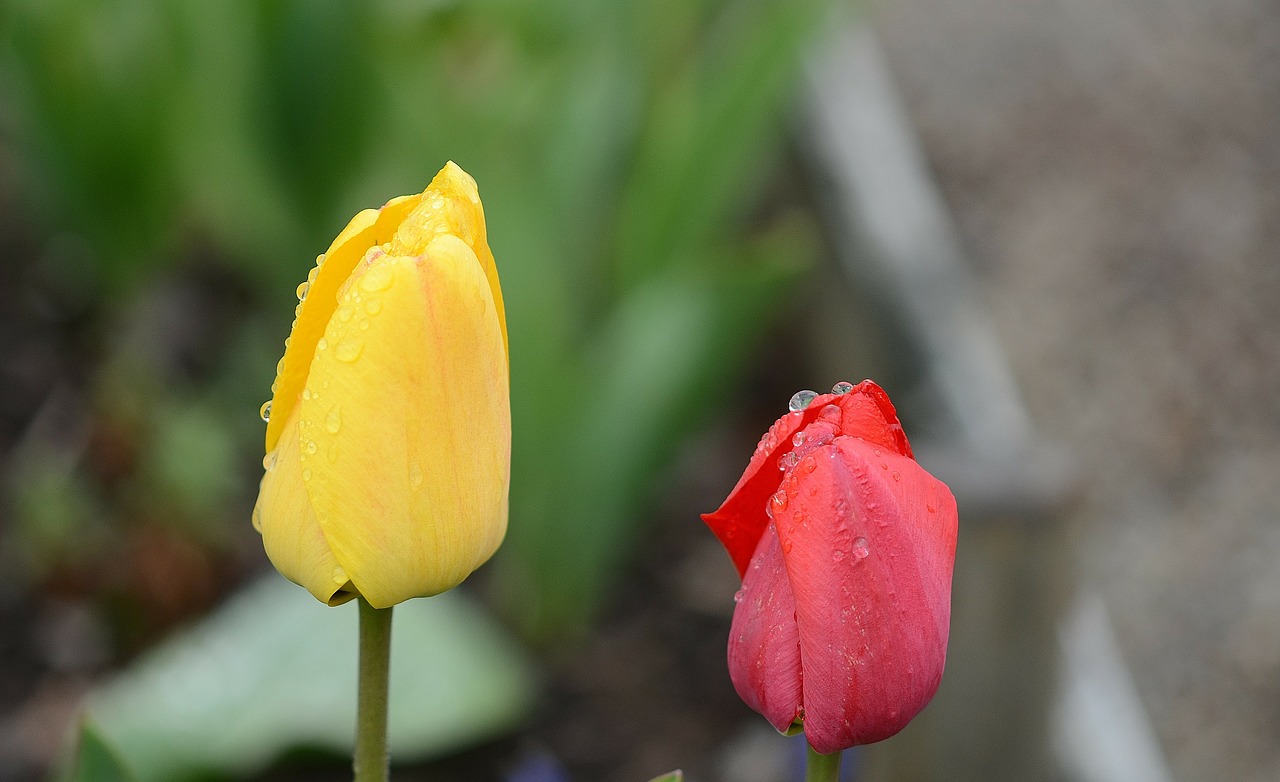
[(371, 759), (822, 768)]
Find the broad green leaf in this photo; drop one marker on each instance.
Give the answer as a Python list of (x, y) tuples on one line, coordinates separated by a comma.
[(94, 761), (274, 670)]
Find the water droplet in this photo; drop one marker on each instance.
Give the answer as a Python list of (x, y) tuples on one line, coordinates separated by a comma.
[(842, 388), (801, 399), (861, 549), (786, 547), (768, 509), (265, 410), (320, 259), (787, 460), (931, 509), (310, 447), (323, 344), (286, 340), (798, 439), (306, 473), (306, 394), (333, 421), (897, 476), (344, 313), (837, 555), (269, 461), (373, 306), (280, 365), (415, 475), (809, 464), (273, 388), (311, 275), (340, 575), (739, 595), (378, 278), (830, 414), (884, 466), (780, 499), (349, 349), (364, 324), (302, 290)]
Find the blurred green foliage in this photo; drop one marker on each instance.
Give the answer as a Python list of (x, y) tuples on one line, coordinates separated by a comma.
[(620, 146)]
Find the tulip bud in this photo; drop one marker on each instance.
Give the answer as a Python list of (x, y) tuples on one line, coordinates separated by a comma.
[(845, 546), (389, 430)]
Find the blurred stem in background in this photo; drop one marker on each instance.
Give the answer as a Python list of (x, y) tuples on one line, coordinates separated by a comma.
[(619, 145)]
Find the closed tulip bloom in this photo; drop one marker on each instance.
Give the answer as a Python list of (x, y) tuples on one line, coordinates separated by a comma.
[(845, 546), (389, 431)]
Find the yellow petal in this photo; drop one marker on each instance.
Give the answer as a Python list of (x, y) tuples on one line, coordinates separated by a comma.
[(291, 534), (368, 228), (406, 424), (451, 204)]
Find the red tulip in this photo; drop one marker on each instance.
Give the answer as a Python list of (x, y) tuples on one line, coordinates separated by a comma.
[(845, 546)]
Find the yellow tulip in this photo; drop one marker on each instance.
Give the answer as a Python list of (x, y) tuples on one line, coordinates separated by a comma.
[(389, 431)]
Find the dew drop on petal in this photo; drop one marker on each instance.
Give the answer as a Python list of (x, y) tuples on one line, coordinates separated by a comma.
[(265, 410), (739, 595), (302, 290), (306, 473), (323, 344), (787, 460), (842, 388), (780, 500), (373, 306), (809, 464), (801, 399), (861, 548), (378, 278), (798, 439), (349, 349), (311, 446), (897, 476), (333, 421), (269, 461), (830, 414)]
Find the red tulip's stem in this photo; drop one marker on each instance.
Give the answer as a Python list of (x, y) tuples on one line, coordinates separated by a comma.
[(371, 759), (822, 768)]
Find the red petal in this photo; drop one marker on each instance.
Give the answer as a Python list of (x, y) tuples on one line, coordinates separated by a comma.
[(865, 412), (868, 538), (764, 645)]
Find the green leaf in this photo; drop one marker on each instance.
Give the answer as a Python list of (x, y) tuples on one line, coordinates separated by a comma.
[(95, 761), (274, 670), (674, 776)]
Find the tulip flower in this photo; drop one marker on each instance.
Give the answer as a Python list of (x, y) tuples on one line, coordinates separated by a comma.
[(845, 546), (389, 429)]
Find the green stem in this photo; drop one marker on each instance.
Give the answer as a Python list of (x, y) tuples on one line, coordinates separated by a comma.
[(371, 759), (822, 768)]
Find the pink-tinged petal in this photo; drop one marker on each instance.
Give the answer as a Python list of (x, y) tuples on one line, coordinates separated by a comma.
[(865, 412), (764, 646), (869, 542)]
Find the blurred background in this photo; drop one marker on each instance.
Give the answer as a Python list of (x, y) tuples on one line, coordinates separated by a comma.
[(1044, 226)]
